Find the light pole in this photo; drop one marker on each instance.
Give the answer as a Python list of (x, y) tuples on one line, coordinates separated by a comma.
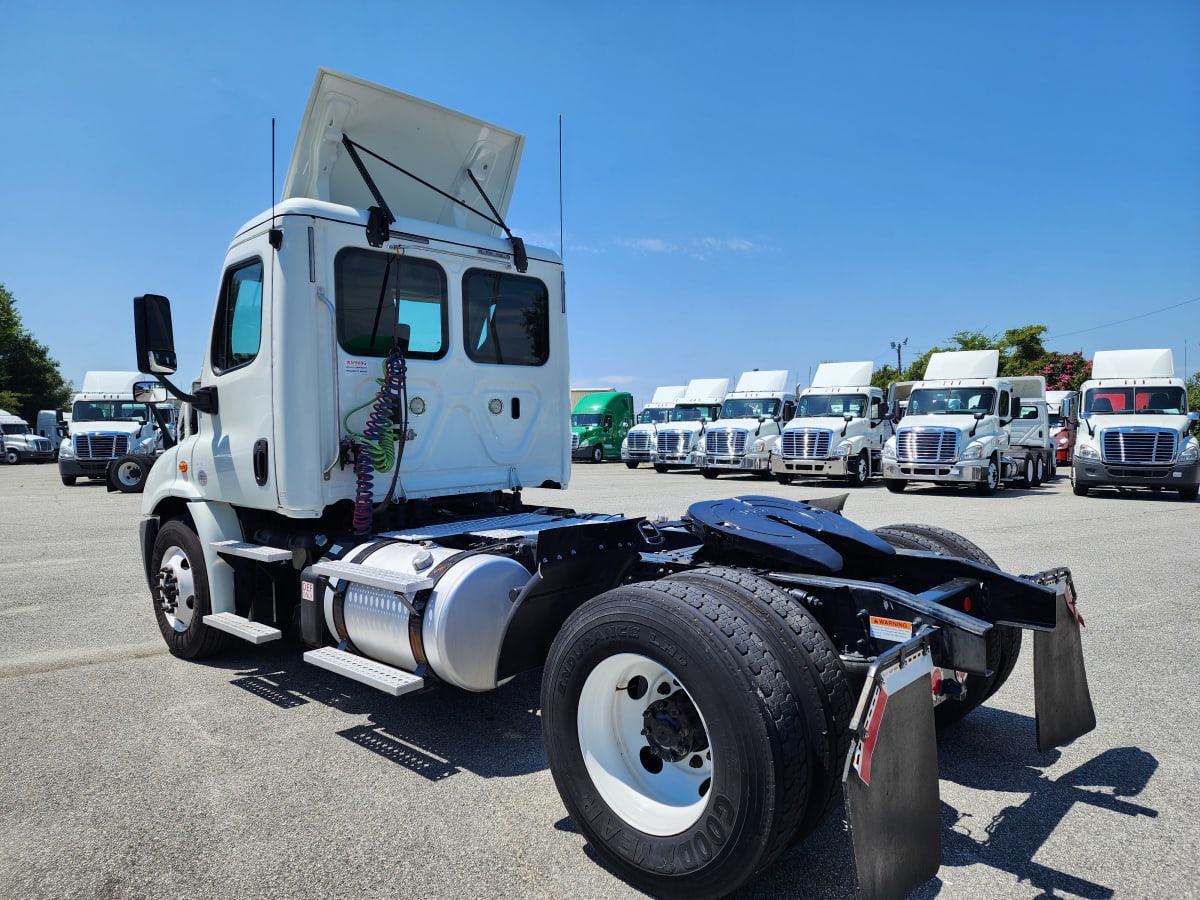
[(896, 345)]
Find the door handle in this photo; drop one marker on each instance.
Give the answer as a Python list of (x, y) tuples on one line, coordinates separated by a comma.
[(260, 461)]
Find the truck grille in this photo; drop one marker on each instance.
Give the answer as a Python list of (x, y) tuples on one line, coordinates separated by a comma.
[(673, 443), (927, 445), (1138, 445), (574, 442), (805, 443), (101, 446), (638, 441), (41, 445), (725, 442)]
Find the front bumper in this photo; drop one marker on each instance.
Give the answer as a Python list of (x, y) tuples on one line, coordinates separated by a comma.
[(88, 468), (586, 452), (637, 455), (835, 466), (1095, 472), (971, 472), (745, 463)]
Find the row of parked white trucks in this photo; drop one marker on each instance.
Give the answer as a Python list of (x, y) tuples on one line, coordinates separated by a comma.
[(350, 467)]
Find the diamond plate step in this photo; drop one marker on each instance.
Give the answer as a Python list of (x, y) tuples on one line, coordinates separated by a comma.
[(373, 576), (386, 678), (254, 632), (257, 552)]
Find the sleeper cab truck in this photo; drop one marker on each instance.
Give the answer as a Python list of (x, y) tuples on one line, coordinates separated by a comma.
[(638, 446), (1134, 427), (838, 430), (599, 423), (749, 426), (956, 426), (679, 442)]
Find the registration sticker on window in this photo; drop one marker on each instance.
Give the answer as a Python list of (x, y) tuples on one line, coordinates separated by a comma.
[(890, 629)]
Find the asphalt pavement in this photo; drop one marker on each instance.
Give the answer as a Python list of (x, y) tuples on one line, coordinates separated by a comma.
[(125, 772)]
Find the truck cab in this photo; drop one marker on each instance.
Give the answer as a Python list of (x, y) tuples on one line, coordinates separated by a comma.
[(956, 427), (19, 444), (107, 422), (751, 418), (838, 430), (599, 423), (1134, 426), (638, 446), (679, 442), (1062, 408)]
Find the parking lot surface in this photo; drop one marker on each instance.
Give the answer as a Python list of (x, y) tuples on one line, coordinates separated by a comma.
[(127, 772)]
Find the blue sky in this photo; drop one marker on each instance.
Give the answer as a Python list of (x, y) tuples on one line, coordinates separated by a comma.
[(744, 186)]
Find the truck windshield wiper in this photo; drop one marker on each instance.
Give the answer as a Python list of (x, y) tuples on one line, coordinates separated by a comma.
[(381, 216)]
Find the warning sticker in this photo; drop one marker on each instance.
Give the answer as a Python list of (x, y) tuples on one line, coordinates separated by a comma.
[(890, 629), (356, 366), (306, 590)]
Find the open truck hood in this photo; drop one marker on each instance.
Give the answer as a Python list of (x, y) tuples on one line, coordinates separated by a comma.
[(436, 144)]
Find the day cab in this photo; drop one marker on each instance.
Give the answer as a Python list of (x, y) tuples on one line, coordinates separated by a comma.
[(639, 443), (751, 418), (599, 423)]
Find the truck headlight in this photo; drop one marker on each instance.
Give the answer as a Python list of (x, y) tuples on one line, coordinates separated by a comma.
[(843, 449), (1087, 451), (974, 451), (583, 442), (758, 446), (889, 449), (1191, 451), (66, 451)]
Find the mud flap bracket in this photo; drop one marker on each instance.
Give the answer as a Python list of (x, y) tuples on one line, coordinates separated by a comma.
[(891, 777)]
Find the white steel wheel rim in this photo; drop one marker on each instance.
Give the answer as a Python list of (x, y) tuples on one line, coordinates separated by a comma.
[(993, 474), (129, 473), (176, 562), (862, 467), (610, 739)]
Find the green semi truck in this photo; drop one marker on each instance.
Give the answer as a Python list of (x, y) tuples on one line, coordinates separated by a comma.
[(599, 423)]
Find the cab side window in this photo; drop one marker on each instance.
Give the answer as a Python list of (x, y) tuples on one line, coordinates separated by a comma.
[(506, 318), (237, 331), (1003, 412)]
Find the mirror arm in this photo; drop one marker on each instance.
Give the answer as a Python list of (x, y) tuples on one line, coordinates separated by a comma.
[(204, 400)]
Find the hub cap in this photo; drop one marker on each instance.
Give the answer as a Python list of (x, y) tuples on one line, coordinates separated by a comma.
[(176, 589)]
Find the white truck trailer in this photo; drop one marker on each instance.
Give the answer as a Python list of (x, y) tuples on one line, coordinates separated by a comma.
[(839, 428), (751, 418), (1135, 422), (107, 423), (640, 443), (377, 391), (956, 427), (679, 442)]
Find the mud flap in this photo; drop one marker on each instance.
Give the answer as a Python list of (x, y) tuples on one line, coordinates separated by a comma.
[(891, 776), (1061, 698)]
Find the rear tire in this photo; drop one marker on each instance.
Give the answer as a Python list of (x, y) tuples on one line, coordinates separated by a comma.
[(1039, 471), (1003, 641), (673, 739), (180, 593), (813, 668)]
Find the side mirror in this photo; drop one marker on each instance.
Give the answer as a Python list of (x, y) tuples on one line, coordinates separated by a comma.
[(153, 335), (1085, 416), (1193, 416), (849, 417)]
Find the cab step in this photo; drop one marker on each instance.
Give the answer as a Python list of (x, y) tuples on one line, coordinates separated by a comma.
[(256, 552), (378, 675), (372, 576), (239, 626)]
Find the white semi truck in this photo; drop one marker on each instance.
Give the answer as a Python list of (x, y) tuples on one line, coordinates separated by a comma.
[(957, 426), (19, 444), (642, 440), (1134, 426), (751, 418), (679, 442), (386, 373), (107, 423), (839, 428)]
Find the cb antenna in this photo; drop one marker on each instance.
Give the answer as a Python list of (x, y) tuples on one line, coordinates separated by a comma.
[(275, 235), (560, 192)]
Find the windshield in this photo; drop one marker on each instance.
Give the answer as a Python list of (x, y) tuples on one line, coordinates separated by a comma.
[(584, 420), (831, 405), (957, 401), (109, 411), (760, 408), (646, 416), (1169, 401), (15, 429), (694, 413)]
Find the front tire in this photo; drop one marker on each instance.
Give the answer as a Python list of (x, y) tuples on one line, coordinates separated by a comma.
[(597, 454), (991, 479), (180, 592), (128, 473), (1078, 489), (1190, 492), (660, 469), (673, 739), (710, 473), (784, 479), (895, 485), (631, 464), (68, 480), (859, 471), (12, 457)]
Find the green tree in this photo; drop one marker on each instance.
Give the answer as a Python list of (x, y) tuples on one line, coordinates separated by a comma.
[(29, 378), (1021, 350)]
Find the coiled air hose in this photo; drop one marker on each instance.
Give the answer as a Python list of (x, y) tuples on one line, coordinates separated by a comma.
[(377, 445)]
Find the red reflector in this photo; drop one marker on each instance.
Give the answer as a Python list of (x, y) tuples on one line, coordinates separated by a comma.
[(966, 604)]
